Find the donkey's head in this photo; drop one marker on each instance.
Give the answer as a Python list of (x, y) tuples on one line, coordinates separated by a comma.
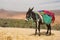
[(29, 13)]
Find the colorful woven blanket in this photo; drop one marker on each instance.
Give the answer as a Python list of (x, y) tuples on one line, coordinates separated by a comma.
[(48, 13)]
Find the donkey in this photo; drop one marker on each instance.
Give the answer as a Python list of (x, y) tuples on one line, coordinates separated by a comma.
[(31, 14)]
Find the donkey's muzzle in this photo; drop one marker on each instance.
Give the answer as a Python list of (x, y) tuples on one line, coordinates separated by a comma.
[(26, 20)]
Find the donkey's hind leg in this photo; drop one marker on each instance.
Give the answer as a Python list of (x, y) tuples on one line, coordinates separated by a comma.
[(48, 29)]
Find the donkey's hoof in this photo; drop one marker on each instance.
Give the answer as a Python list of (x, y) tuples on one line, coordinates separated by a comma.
[(35, 34), (48, 34), (39, 34)]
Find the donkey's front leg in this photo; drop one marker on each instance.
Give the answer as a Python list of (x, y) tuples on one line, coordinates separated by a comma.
[(39, 28), (36, 28)]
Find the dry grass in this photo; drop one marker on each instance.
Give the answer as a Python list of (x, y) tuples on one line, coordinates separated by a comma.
[(26, 34)]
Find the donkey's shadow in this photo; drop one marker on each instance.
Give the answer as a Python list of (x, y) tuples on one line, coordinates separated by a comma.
[(42, 33)]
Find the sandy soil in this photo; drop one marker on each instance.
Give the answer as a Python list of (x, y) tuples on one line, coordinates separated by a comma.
[(26, 34)]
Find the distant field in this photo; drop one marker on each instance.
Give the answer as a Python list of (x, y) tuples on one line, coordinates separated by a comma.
[(19, 23), (15, 23)]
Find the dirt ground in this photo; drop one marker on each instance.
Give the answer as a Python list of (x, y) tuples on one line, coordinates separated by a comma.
[(26, 34)]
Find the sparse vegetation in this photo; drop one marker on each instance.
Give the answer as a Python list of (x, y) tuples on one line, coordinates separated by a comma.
[(23, 24), (16, 23)]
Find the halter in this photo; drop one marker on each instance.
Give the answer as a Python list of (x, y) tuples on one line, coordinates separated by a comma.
[(29, 17)]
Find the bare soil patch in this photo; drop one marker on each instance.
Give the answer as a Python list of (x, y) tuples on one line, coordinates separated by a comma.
[(26, 34)]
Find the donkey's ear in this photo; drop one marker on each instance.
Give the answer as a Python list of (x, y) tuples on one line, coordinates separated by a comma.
[(29, 8), (32, 8)]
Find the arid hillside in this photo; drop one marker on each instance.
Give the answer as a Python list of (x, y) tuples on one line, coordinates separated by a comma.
[(12, 14)]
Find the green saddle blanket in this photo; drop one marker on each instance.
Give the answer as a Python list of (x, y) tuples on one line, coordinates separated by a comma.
[(47, 19)]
